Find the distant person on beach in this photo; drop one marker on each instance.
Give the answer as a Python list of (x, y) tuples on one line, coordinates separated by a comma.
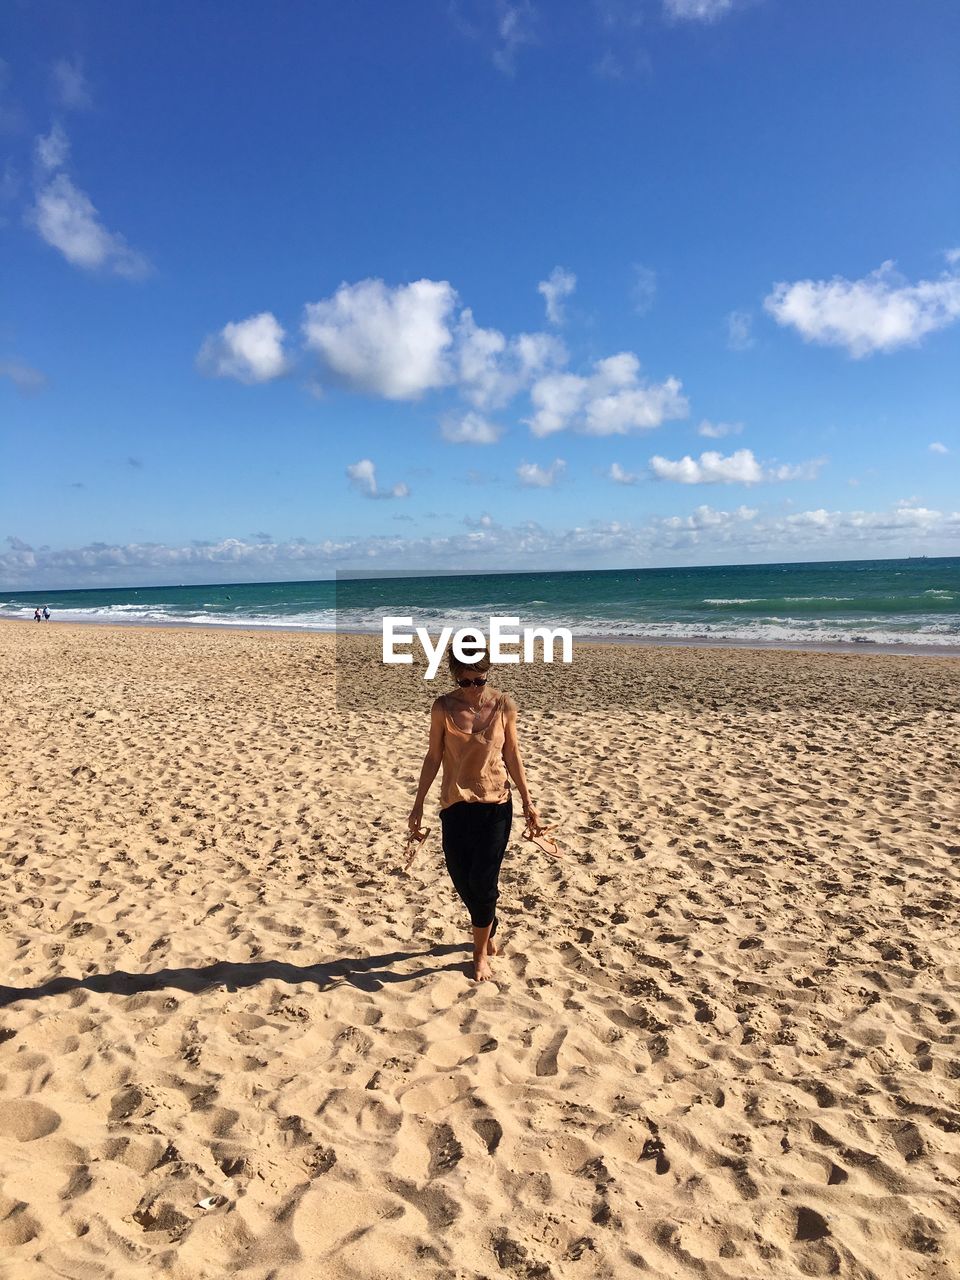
[(36, 614), (46, 614), (473, 735)]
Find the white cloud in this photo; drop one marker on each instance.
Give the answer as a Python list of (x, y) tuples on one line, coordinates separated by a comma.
[(611, 401), (644, 288), (391, 342), (697, 10), (65, 217), (937, 447), (535, 352), (503, 26), (70, 84), (706, 517), (52, 149), (740, 467), (740, 331), (619, 476), (490, 369), (249, 350), (712, 468), (559, 285), (717, 430), (26, 379), (904, 516), (363, 476), (795, 471), (881, 312), (470, 428), (532, 476), (479, 361), (67, 220), (514, 30)]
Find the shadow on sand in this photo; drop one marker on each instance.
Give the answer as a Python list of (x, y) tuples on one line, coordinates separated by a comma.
[(369, 973)]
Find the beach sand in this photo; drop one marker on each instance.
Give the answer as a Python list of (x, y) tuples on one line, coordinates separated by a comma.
[(724, 1039)]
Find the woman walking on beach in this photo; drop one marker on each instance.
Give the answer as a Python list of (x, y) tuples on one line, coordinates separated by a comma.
[(473, 735)]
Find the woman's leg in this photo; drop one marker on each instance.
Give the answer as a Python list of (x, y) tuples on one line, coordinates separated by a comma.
[(460, 829), (482, 953), (505, 820), (484, 880), (475, 836), (457, 850)]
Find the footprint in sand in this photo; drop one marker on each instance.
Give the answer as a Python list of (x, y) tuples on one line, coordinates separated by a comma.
[(322, 1161), (810, 1225), (17, 1226), (80, 1182), (124, 1103), (653, 1149), (439, 1209), (445, 1151), (490, 1132), (547, 1061)]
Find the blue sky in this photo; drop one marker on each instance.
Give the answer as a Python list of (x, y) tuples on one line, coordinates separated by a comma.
[(490, 283)]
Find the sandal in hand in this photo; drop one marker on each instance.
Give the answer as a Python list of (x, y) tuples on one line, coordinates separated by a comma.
[(546, 844), (414, 840)]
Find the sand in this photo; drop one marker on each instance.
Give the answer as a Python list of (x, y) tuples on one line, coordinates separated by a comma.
[(722, 1042)]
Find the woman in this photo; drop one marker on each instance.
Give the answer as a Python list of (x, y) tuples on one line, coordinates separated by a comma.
[(473, 735)]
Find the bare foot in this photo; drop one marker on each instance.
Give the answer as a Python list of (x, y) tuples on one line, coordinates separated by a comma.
[(481, 969), (492, 948)]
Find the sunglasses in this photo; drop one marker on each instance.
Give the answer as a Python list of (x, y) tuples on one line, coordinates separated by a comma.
[(479, 682)]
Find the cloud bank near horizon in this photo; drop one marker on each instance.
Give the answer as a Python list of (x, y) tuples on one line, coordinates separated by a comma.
[(739, 535)]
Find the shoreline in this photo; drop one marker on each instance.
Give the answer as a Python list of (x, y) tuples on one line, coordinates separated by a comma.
[(645, 642)]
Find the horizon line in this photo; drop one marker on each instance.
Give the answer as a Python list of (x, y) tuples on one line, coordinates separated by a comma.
[(388, 574)]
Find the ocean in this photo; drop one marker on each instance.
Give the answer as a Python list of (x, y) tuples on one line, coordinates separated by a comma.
[(895, 603)]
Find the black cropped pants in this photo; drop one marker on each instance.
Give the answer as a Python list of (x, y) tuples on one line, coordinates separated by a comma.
[(475, 836)]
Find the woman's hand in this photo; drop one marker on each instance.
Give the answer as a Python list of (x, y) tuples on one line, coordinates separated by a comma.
[(415, 821), (535, 831)]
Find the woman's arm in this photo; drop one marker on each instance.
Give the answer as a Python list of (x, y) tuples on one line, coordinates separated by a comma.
[(511, 758), (431, 764)]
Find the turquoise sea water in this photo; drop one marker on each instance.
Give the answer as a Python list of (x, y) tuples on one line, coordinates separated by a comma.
[(887, 602)]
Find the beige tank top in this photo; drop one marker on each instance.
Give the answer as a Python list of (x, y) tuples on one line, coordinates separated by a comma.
[(473, 767)]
